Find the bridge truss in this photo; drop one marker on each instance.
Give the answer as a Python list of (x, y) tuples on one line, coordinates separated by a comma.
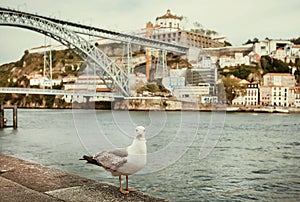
[(68, 34)]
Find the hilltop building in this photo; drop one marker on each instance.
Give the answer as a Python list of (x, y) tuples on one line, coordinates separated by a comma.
[(169, 22), (168, 27)]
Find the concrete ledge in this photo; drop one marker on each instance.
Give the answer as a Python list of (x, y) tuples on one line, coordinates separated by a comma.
[(26, 181)]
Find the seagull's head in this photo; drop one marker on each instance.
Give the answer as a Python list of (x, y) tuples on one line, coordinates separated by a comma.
[(140, 132)]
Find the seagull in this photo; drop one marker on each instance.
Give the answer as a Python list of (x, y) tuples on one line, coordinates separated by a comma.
[(125, 161)]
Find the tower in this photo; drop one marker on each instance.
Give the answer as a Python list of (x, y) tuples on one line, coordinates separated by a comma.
[(169, 22)]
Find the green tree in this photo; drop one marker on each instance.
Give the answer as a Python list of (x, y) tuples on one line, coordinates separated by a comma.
[(49, 100), (242, 72), (296, 41), (272, 65), (226, 43), (255, 40), (233, 88), (150, 87)]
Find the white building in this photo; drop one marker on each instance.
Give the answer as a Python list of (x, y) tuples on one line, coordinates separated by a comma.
[(169, 22), (278, 90), (237, 60), (86, 83), (295, 51), (42, 82), (69, 79), (269, 46), (191, 93), (297, 96), (251, 98), (252, 95)]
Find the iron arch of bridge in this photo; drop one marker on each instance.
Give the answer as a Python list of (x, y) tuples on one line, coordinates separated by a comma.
[(105, 67)]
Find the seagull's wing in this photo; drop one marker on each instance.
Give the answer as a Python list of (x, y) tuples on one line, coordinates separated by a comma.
[(120, 152), (112, 160)]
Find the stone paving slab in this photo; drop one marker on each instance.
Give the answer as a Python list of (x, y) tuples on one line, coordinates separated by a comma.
[(21, 180), (12, 191)]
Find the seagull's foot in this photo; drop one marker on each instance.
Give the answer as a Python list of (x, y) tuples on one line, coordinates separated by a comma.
[(133, 190), (124, 191)]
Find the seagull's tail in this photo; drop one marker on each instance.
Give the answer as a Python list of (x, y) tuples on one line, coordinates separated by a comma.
[(90, 159)]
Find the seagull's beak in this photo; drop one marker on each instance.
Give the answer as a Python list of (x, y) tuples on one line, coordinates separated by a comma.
[(140, 131)]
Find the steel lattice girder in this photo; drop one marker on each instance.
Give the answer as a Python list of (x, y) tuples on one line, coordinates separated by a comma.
[(86, 50), (113, 35)]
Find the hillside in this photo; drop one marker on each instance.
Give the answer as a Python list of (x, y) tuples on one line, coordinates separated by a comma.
[(64, 63)]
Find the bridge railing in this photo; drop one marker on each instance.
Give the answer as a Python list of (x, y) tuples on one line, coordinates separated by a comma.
[(37, 91)]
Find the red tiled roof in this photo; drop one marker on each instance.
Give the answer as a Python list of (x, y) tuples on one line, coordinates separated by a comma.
[(278, 74), (169, 15)]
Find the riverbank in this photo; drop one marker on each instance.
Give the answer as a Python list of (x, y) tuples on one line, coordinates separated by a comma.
[(24, 181)]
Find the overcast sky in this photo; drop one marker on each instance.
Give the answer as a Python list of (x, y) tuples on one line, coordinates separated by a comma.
[(238, 20)]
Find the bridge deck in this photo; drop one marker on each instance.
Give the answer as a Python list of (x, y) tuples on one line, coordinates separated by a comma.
[(37, 91)]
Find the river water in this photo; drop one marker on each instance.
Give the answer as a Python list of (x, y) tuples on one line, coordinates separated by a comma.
[(191, 156)]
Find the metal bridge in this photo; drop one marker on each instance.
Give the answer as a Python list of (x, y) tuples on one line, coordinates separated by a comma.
[(69, 34), (100, 95)]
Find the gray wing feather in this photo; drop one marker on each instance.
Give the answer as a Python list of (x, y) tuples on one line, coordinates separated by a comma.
[(112, 159), (120, 152)]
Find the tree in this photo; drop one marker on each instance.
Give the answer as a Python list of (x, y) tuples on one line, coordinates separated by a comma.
[(233, 88), (242, 72), (150, 87), (296, 41), (272, 65), (226, 43), (198, 28), (255, 40)]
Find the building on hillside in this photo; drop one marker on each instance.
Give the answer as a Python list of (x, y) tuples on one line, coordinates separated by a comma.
[(187, 38), (176, 79), (232, 56), (251, 97), (295, 51), (278, 90), (252, 94), (192, 93), (86, 83), (204, 71), (169, 28), (297, 96), (69, 79), (169, 22), (43, 82), (293, 54), (233, 61), (265, 95), (278, 49), (279, 79)]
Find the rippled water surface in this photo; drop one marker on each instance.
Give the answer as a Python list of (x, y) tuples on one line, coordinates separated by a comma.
[(257, 156)]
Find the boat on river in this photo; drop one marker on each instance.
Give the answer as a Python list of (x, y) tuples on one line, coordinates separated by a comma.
[(271, 110)]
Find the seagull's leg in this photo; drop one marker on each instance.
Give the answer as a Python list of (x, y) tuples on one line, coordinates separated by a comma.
[(127, 188), (121, 189)]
